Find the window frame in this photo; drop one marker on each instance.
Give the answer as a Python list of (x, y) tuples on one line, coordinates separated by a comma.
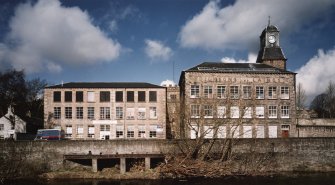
[(260, 92), (57, 113), (195, 91), (152, 96), (208, 91), (272, 111), (79, 113), (272, 92), (234, 92), (68, 96), (285, 93), (57, 96), (105, 96), (79, 96), (246, 92), (221, 91)]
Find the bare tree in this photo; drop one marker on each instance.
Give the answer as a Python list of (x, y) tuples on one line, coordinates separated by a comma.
[(324, 104), (301, 97)]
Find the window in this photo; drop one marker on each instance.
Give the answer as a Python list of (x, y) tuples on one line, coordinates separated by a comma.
[(208, 110), (208, 91), (272, 111), (221, 112), (119, 96), (141, 96), (234, 112), (260, 132), (79, 112), (57, 112), (105, 128), (221, 91), (222, 132), (141, 113), (152, 96), (173, 96), (209, 132), (273, 133), (194, 131), (68, 96), (153, 112), (57, 96), (141, 131), (195, 111), (195, 91), (119, 131), (80, 131), (119, 112), (130, 113), (104, 96), (130, 96), (272, 92), (247, 112), (234, 92), (259, 92), (79, 96), (68, 131), (153, 131), (284, 93), (285, 111), (90, 96), (259, 112), (130, 131), (246, 92), (91, 131), (2, 126), (90, 112), (247, 131), (105, 113), (68, 112)]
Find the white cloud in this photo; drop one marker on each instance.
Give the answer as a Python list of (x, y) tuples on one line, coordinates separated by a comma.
[(47, 35), (156, 50), (237, 25), (168, 83), (113, 26), (317, 72), (251, 59)]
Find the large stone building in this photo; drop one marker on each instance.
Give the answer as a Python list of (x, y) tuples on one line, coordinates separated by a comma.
[(240, 99), (106, 110)]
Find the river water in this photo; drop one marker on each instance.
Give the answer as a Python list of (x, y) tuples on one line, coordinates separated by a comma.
[(310, 179)]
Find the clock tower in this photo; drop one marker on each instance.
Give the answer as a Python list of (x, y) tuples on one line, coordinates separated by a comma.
[(270, 52)]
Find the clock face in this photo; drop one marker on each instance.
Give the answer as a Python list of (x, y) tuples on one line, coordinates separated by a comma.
[(272, 39)]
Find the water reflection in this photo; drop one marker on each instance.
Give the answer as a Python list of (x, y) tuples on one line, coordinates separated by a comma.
[(311, 179)]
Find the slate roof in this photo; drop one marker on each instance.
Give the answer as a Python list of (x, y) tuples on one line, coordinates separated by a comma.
[(104, 85), (271, 53), (235, 67)]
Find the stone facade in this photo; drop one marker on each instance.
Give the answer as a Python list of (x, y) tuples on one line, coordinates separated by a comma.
[(254, 118), (173, 111), (97, 112)]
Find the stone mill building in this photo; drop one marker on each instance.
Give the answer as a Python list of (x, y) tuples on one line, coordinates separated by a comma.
[(240, 100)]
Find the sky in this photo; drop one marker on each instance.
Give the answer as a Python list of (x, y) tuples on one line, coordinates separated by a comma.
[(154, 40)]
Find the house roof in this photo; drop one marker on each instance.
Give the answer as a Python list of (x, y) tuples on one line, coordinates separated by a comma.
[(219, 67), (104, 85)]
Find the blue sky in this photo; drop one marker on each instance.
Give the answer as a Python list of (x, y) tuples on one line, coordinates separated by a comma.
[(141, 40)]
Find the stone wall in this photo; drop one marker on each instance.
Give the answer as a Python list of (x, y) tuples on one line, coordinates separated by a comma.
[(316, 128), (291, 154)]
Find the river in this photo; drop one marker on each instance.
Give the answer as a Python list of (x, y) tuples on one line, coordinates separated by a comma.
[(310, 179)]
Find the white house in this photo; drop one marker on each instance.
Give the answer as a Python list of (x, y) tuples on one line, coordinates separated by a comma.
[(7, 129)]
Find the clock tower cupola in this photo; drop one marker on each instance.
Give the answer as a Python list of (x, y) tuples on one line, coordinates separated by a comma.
[(270, 52)]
